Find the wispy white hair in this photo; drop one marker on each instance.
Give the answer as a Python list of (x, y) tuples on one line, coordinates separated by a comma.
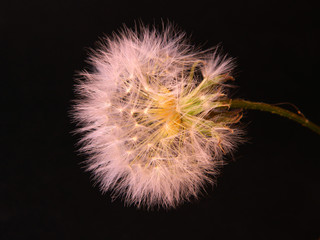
[(152, 134)]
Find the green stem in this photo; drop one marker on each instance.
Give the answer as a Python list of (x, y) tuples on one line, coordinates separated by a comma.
[(244, 104)]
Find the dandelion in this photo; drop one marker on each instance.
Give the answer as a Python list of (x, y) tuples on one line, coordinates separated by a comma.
[(155, 116), (154, 134)]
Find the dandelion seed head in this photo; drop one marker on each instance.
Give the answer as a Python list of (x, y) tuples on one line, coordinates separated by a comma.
[(153, 116)]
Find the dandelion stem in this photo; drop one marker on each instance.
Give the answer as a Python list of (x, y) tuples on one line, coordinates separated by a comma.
[(244, 104)]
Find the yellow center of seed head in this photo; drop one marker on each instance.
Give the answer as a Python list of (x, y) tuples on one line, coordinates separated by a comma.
[(166, 113)]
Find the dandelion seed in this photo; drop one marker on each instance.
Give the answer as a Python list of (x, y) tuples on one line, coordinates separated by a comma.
[(179, 128), (129, 152), (128, 89), (134, 138)]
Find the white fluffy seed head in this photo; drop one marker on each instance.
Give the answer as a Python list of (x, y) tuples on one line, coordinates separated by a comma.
[(154, 117)]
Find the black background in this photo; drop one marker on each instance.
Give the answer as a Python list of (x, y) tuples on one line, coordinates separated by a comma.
[(270, 191)]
